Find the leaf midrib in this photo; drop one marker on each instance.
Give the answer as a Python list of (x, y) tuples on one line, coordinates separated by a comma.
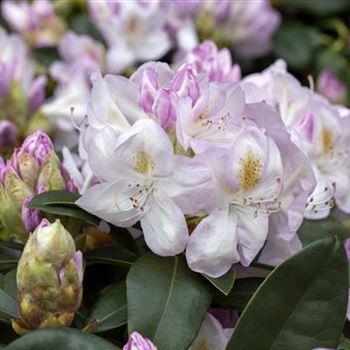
[(169, 297)]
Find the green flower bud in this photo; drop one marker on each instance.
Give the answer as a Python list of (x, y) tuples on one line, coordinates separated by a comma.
[(49, 279)]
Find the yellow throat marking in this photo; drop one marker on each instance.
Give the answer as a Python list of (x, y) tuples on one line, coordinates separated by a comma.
[(327, 139), (250, 170), (144, 164)]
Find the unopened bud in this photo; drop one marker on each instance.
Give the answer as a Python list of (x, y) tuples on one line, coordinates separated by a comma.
[(49, 279)]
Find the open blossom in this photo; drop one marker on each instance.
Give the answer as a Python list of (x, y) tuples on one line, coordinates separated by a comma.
[(247, 26), (317, 128), (36, 22), (142, 180), (249, 180), (211, 336), (134, 31), (34, 168), (138, 342)]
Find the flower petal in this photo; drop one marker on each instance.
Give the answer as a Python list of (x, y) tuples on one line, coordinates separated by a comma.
[(112, 202), (211, 248), (164, 226)]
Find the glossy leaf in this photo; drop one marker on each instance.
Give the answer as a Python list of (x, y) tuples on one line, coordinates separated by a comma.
[(314, 230), (110, 310), (110, 255), (60, 339), (301, 305), (62, 203), (224, 283), (166, 301), (241, 293)]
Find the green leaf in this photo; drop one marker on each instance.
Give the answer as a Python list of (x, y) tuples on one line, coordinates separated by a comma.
[(109, 311), (241, 293), (167, 302), (301, 305), (11, 249), (318, 8), (8, 307), (110, 255), (296, 42), (60, 339), (62, 203), (224, 283), (344, 344), (314, 230), (10, 283)]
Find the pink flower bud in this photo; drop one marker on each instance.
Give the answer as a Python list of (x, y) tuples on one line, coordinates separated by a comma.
[(30, 217), (38, 145)]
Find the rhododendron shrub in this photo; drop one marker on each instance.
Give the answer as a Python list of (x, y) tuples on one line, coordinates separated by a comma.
[(174, 175)]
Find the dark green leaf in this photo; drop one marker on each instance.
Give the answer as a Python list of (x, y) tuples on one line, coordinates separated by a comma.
[(241, 293), (45, 56), (110, 255), (110, 310), (295, 42), (314, 230), (301, 305), (61, 339), (8, 307), (166, 301), (9, 283), (81, 24), (224, 283), (11, 250), (318, 7), (62, 203)]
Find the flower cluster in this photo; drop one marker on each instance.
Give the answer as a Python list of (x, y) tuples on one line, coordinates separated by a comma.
[(173, 146)]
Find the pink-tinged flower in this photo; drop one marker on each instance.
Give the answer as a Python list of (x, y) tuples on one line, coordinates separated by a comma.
[(180, 23), (330, 86), (138, 342), (317, 128), (80, 55), (249, 179), (8, 134), (36, 22), (79, 171), (142, 180), (32, 169), (215, 64), (247, 26), (133, 32), (214, 119), (211, 336)]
